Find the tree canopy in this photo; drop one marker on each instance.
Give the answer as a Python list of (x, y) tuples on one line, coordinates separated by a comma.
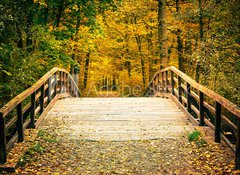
[(117, 42)]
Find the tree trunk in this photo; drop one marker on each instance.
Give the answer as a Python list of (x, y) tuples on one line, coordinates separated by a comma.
[(60, 12), (198, 66), (86, 70), (179, 43), (150, 49), (162, 33)]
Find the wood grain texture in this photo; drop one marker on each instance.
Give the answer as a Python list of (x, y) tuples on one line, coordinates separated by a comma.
[(116, 119)]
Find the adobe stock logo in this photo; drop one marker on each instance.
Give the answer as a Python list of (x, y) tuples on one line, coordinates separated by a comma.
[(122, 90)]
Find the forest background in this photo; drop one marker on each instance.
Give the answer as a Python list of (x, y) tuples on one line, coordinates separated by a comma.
[(120, 42)]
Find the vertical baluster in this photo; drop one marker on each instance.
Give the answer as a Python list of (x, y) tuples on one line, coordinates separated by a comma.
[(167, 82), (158, 84), (218, 122), (189, 98), (42, 98), (201, 108), (33, 108), (163, 82), (3, 146), (237, 154), (49, 89), (179, 89), (172, 83), (55, 84), (67, 83), (60, 82), (20, 123)]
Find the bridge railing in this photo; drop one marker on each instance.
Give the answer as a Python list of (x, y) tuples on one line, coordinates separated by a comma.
[(203, 106), (29, 108)]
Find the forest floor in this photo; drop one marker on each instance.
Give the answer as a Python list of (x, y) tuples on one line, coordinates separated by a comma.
[(50, 154)]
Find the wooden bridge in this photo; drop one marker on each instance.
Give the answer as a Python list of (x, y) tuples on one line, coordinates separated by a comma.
[(173, 104)]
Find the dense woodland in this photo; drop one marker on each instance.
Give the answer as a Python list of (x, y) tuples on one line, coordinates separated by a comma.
[(120, 42)]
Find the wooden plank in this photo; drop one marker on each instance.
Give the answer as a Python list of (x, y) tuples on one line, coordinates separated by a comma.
[(42, 98), (190, 117), (20, 123), (33, 108), (3, 148), (49, 89), (218, 123), (201, 109), (172, 82), (179, 89), (188, 98), (44, 113), (237, 153)]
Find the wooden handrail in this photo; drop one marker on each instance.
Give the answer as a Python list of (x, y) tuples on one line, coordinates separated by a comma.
[(55, 84), (223, 101), (195, 103), (15, 101)]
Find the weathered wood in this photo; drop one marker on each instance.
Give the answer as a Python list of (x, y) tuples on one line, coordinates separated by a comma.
[(190, 117), (223, 101), (163, 83), (167, 81), (201, 109), (188, 97), (42, 116), (3, 148), (41, 101), (172, 82), (218, 123), (20, 123), (117, 118), (49, 89), (237, 153), (179, 89), (193, 108), (55, 84), (33, 108), (37, 93)]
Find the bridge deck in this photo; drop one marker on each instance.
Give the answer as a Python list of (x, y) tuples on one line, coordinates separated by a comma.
[(116, 119)]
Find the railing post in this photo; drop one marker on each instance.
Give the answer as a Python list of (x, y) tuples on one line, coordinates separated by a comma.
[(179, 90), (49, 89), (163, 82), (201, 108), (151, 88), (55, 84), (67, 81), (20, 123), (237, 154), (172, 83), (42, 98), (218, 123), (3, 146), (63, 82), (188, 97), (167, 81), (33, 107), (60, 82)]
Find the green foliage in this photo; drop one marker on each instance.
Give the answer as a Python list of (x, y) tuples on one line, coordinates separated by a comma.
[(197, 137), (37, 148), (194, 136)]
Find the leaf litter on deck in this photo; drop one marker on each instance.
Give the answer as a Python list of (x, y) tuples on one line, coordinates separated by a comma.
[(53, 155)]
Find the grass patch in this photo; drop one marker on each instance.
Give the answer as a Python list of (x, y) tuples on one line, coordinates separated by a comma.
[(194, 136), (197, 137), (29, 154), (47, 137)]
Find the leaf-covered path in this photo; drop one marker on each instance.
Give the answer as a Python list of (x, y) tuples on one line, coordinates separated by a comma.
[(52, 155)]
